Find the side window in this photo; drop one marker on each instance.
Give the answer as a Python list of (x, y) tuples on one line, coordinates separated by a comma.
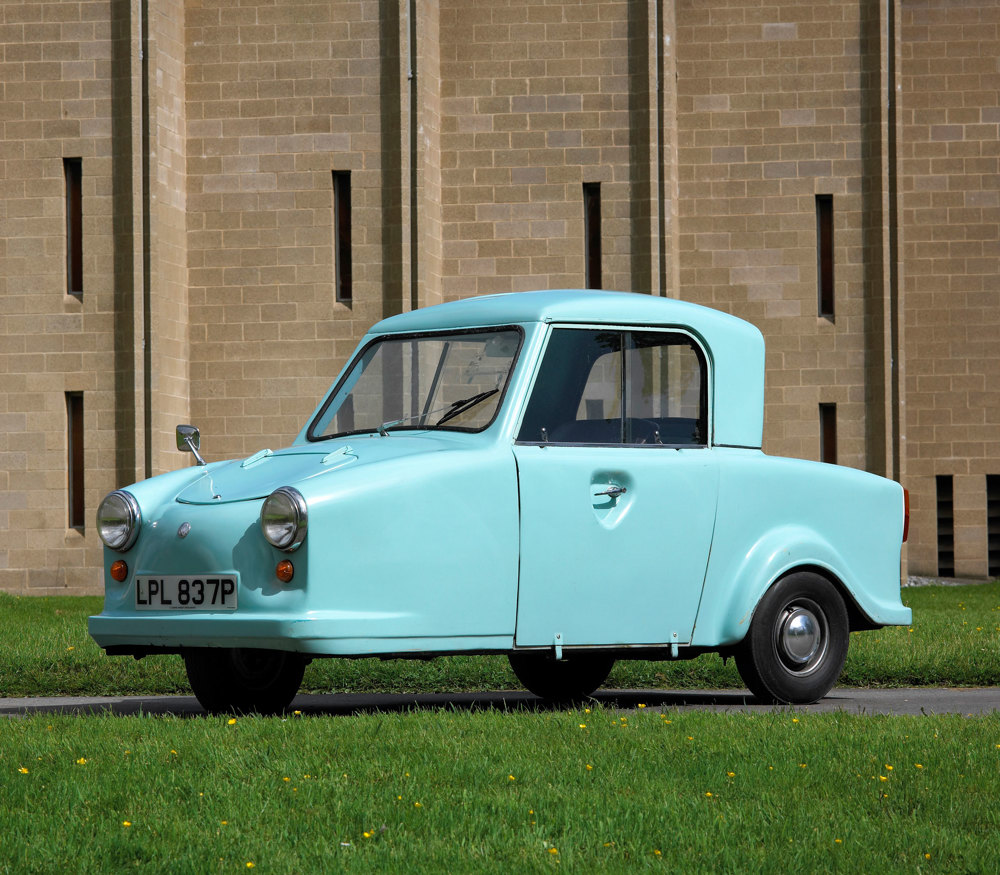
[(618, 387), (666, 390)]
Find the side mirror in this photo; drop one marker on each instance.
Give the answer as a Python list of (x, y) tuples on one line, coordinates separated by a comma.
[(189, 441)]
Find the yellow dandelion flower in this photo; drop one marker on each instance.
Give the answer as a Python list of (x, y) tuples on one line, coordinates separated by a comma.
[(730, 774), (927, 856), (657, 852), (795, 720), (511, 778), (837, 841), (553, 850), (882, 778), (590, 768), (641, 705), (82, 761), (802, 765), (71, 648), (126, 823), (917, 766), (367, 835), (417, 805), (286, 780), (708, 794), (232, 721), (690, 738), (174, 752), (888, 767), (297, 713), (250, 864), (23, 770), (583, 725)]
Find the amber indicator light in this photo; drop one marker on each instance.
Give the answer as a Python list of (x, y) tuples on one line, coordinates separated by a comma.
[(119, 570), (285, 571)]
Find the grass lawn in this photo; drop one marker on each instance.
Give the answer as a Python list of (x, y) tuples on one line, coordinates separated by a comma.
[(450, 791), (485, 791), (954, 641)]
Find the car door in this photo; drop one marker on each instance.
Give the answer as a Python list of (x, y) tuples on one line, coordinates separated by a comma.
[(617, 489)]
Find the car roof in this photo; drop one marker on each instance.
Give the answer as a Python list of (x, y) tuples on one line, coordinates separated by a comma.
[(556, 305), (735, 347)]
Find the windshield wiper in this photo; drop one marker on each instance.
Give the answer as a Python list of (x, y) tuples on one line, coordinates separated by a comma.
[(459, 407), (453, 410)]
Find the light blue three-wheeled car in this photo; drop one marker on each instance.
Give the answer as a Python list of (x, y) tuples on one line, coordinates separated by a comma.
[(566, 477)]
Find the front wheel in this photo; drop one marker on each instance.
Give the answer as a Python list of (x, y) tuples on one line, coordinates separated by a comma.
[(563, 681), (797, 643), (244, 680)]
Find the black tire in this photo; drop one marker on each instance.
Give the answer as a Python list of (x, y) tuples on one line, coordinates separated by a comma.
[(797, 643), (243, 680), (561, 681)]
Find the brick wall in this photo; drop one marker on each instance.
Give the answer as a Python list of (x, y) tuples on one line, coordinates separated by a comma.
[(278, 96), (769, 115), (535, 102), (55, 103), (469, 131), (951, 227)]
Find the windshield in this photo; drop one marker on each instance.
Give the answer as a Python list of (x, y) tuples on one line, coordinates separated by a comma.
[(453, 381)]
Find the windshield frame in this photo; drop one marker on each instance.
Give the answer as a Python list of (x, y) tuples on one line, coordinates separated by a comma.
[(321, 414)]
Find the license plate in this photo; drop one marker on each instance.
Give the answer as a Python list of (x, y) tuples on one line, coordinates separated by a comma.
[(193, 592)]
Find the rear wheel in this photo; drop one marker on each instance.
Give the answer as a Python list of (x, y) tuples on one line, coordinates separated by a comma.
[(244, 680), (564, 681), (797, 643)]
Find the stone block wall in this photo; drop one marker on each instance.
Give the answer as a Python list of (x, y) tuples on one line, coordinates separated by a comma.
[(950, 149), (209, 132)]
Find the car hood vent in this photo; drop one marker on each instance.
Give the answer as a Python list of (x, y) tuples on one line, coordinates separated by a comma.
[(259, 475)]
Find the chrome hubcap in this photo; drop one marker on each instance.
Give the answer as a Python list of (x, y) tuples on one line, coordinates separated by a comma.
[(800, 636)]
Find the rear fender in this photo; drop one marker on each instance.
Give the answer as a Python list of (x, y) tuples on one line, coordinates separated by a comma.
[(738, 589)]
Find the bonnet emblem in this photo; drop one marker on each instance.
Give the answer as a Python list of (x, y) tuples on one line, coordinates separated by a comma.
[(182, 532)]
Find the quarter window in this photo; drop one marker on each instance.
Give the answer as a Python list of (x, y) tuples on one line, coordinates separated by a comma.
[(619, 387)]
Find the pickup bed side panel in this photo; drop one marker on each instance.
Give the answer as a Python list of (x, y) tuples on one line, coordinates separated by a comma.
[(776, 515)]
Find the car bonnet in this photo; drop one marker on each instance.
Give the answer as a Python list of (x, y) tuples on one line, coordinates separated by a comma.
[(259, 475)]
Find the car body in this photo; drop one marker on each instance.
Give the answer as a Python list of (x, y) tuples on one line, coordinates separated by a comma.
[(567, 477)]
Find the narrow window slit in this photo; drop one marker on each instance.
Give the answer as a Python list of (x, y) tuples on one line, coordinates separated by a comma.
[(73, 170), (824, 254), (945, 525), (828, 433), (592, 235), (343, 279), (74, 460), (993, 523)]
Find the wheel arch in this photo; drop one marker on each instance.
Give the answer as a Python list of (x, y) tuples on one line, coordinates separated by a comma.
[(737, 587), (856, 616)]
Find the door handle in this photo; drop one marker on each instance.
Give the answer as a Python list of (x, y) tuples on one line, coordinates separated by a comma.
[(612, 491)]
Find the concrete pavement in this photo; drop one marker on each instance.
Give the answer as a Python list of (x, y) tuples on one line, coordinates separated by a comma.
[(851, 700)]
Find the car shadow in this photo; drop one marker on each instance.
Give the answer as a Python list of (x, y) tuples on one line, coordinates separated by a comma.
[(349, 704)]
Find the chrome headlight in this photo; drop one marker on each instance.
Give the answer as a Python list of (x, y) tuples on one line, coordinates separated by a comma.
[(119, 520), (283, 519)]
